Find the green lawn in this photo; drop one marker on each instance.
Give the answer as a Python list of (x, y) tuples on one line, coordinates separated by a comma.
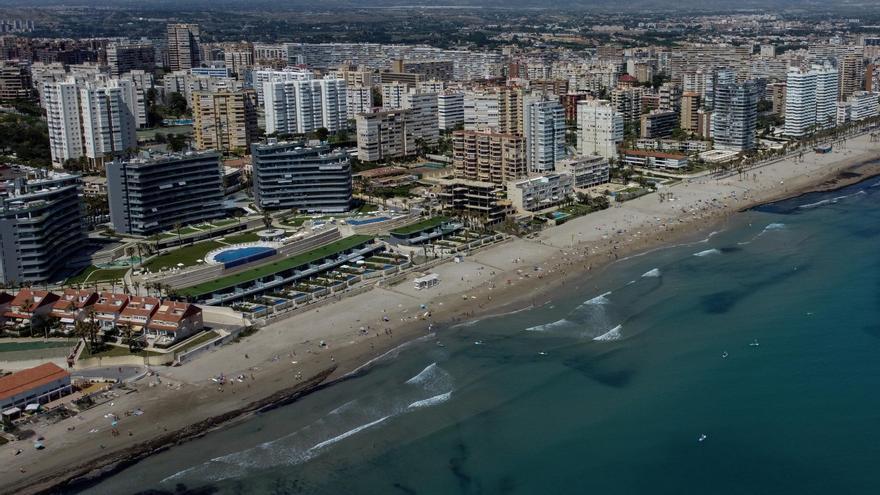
[(95, 274), (28, 346), (278, 266), (367, 208), (419, 226), (223, 223), (186, 255), (198, 340), (243, 237), (114, 351)]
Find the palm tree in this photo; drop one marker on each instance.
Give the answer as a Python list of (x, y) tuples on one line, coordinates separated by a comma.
[(177, 229), (137, 286)]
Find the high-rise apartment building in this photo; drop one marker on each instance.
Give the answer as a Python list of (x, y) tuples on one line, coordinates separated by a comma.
[(393, 94), (261, 77), (307, 179), (735, 116), (489, 157), (303, 106), (544, 130), (359, 100), (125, 57), (225, 121), (810, 99), (384, 135), (238, 58), (41, 225), (154, 193), (690, 105), (15, 82), (422, 120), (496, 111), (183, 46), (851, 74), (450, 110), (600, 128), (92, 119)]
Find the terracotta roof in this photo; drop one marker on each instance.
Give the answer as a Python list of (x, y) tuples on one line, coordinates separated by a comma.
[(141, 306), (29, 379), (35, 298), (173, 311), (78, 298), (627, 78), (110, 303)]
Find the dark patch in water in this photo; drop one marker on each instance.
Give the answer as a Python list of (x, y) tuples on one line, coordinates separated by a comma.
[(597, 368), (730, 249), (872, 330), (721, 302), (404, 489), (181, 489), (456, 465)]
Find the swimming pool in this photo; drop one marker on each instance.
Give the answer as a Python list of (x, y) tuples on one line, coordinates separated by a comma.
[(366, 221), (236, 256)]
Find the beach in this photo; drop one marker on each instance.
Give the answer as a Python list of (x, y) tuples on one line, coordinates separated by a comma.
[(287, 358)]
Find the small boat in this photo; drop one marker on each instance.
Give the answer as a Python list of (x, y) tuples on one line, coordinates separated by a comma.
[(542, 353), (724, 354), (754, 343), (703, 437), (478, 342)]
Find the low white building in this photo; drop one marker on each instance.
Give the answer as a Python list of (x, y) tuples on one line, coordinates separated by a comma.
[(586, 171), (654, 159), (39, 385), (541, 192)]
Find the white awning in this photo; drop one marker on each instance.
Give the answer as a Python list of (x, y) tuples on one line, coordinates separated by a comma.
[(32, 407), (11, 412), (67, 320)]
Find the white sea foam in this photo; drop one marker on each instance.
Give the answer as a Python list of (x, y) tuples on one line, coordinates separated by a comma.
[(423, 375), (610, 335), (600, 299), (774, 226), (548, 326), (707, 252), (652, 273), (431, 401), (816, 204), (392, 353), (349, 433)]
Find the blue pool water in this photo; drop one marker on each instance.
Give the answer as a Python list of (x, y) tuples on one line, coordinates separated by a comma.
[(367, 221), (239, 256)]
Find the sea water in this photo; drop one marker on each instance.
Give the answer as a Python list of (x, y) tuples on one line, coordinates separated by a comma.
[(748, 363)]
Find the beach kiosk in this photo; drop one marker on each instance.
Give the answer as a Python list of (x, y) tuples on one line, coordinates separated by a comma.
[(427, 281)]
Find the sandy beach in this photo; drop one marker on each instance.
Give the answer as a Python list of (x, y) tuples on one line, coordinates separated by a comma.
[(287, 358)]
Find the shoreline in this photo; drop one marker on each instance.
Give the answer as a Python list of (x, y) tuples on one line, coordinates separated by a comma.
[(561, 265)]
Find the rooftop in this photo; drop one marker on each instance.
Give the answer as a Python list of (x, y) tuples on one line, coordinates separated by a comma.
[(29, 379)]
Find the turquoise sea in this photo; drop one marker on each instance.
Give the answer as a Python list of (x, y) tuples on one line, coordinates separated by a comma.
[(762, 340)]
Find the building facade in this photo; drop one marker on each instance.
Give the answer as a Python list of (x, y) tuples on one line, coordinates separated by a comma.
[(303, 106), (489, 157), (384, 135), (544, 128), (735, 116), (308, 179), (600, 129), (183, 46), (225, 121), (155, 193)]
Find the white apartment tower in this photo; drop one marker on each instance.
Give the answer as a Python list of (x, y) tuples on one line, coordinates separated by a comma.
[(302, 106), (450, 110), (544, 128), (810, 100), (422, 120), (360, 100), (600, 128)]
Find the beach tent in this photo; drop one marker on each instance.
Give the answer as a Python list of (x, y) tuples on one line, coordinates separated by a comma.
[(32, 408)]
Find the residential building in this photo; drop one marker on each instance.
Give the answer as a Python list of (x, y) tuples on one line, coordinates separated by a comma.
[(393, 94), (73, 306), (384, 135), (29, 308), (359, 100), (155, 192), (489, 157), (15, 81), (108, 309), (422, 120), (851, 74), (304, 178), (544, 129), (655, 159), (225, 121), (541, 192), (38, 385), (810, 100), (42, 233), (690, 105), (670, 97), (778, 93), (303, 106), (450, 110), (473, 199), (174, 321), (183, 46), (864, 105), (570, 103), (628, 103), (735, 116), (658, 124), (238, 58), (586, 171), (600, 129), (138, 312), (496, 111), (125, 57)]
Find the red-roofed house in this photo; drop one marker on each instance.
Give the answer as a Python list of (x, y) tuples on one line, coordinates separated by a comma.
[(29, 306), (175, 321), (139, 311), (38, 385), (627, 81), (73, 307), (108, 307)]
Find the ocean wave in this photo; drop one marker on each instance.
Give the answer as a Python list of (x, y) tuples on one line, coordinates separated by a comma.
[(652, 273), (610, 335), (816, 204), (391, 353), (423, 375), (548, 326), (431, 401), (600, 299), (773, 226), (707, 252), (348, 433)]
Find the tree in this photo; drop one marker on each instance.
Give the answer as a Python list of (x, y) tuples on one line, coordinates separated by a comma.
[(322, 134), (177, 104), (267, 219)]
